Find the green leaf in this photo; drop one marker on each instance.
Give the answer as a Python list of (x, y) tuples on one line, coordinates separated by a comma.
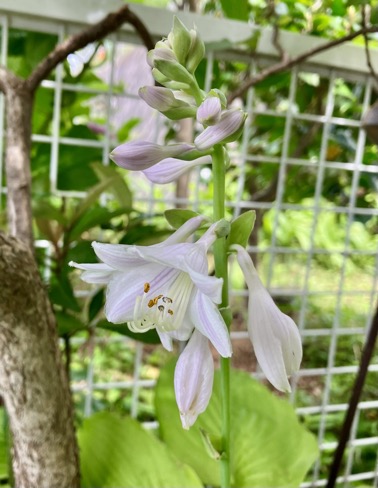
[(4, 447), (68, 324), (120, 452), (96, 304), (123, 133), (61, 292), (270, 447), (119, 187), (177, 217), (90, 199), (235, 9), (149, 337), (94, 217), (241, 229)]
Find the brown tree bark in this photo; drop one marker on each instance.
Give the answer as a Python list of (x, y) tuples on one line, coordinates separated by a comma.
[(19, 101), (33, 382)]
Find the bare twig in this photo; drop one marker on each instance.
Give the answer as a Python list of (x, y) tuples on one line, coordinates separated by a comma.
[(284, 65), (276, 31), (366, 356), (364, 16), (94, 33)]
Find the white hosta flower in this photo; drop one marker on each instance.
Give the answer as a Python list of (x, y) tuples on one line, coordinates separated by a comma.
[(170, 169), (193, 380), (209, 111), (164, 287), (228, 129), (274, 335), (164, 100), (140, 155)]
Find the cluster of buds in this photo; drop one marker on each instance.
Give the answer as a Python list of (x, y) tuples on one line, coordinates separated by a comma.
[(174, 61)]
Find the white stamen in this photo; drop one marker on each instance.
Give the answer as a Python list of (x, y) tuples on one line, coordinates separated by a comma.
[(163, 311)]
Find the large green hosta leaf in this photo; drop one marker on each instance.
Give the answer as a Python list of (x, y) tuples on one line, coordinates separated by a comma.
[(270, 448), (118, 452)]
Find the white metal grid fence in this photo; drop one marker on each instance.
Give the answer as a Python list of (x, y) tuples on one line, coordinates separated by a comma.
[(64, 19)]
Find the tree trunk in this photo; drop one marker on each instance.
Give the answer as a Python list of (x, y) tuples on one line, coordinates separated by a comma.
[(19, 102), (33, 382)]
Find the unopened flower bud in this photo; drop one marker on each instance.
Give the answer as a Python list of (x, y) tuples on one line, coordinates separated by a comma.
[(173, 70), (193, 379), (218, 93), (157, 97), (140, 155), (209, 111), (180, 40), (163, 100), (196, 52), (226, 130)]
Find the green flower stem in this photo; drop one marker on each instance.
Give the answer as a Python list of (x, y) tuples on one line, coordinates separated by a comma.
[(220, 258)]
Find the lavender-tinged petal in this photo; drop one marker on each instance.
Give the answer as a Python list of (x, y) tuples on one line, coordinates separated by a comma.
[(193, 379), (171, 256), (209, 111), (208, 320), (158, 97), (94, 272), (118, 256), (184, 232), (274, 335), (140, 155), (231, 121), (124, 256), (170, 169)]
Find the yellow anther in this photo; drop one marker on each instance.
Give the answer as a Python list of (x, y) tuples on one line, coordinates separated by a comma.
[(170, 312), (147, 287)]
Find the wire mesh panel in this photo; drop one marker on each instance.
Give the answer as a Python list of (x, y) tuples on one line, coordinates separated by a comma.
[(303, 164)]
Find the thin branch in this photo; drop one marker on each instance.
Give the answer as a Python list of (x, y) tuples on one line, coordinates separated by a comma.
[(94, 33), (366, 356), (284, 56), (366, 42), (289, 63)]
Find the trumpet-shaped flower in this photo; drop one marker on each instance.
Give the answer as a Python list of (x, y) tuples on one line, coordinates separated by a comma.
[(164, 287), (193, 380), (140, 155), (274, 335), (226, 130)]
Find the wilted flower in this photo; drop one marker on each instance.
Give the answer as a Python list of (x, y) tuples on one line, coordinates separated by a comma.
[(193, 380), (227, 129), (274, 335), (164, 287)]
